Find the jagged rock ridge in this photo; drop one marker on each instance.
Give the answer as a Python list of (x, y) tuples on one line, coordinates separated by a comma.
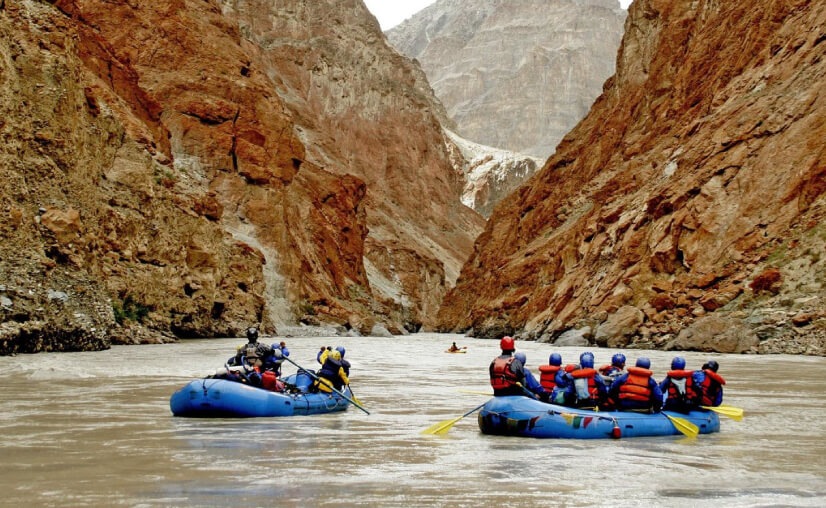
[(516, 75), (687, 209)]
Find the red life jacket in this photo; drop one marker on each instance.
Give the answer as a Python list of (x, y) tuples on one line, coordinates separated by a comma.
[(547, 376), (707, 390), (636, 386), (673, 388), (502, 376), (606, 369), (588, 374)]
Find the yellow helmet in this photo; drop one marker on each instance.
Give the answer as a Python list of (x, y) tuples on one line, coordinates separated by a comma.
[(335, 355)]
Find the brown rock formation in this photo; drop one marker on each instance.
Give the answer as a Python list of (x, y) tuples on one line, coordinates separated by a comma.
[(700, 167), (362, 109), (151, 174)]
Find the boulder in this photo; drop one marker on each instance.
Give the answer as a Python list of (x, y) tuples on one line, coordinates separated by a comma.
[(380, 331), (620, 326), (574, 338), (716, 334)]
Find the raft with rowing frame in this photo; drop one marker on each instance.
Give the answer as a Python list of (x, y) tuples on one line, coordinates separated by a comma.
[(521, 416), (220, 398)]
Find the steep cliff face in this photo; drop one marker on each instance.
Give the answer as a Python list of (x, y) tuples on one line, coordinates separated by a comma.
[(362, 109), (516, 75), (687, 209), (152, 175)]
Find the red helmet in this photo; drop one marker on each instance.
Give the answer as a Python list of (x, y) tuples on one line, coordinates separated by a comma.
[(506, 344)]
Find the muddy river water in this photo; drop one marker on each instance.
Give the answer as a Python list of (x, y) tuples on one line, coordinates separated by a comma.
[(94, 429)]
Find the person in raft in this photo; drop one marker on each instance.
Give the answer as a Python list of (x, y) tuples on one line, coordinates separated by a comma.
[(253, 351), (344, 363), (531, 383), (322, 354), (584, 387), (275, 359), (454, 347), (636, 390), (331, 374), (610, 373), (708, 385), (548, 373), (678, 387), (506, 372)]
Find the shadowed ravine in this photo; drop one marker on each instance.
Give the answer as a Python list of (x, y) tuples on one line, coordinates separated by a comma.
[(95, 429)]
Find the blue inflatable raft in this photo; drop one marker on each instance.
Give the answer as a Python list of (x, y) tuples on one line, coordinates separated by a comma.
[(521, 416), (212, 398)]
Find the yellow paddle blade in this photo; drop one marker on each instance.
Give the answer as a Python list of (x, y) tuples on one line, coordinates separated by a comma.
[(476, 393), (684, 426), (442, 427), (735, 413)]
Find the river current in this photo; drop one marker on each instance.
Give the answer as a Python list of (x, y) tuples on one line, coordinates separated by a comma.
[(95, 429)]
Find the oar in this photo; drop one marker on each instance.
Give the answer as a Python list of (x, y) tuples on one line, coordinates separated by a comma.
[(527, 392), (444, 427), (684, 426), (735, 413), (348, 399), (356, 399), (475, 393)]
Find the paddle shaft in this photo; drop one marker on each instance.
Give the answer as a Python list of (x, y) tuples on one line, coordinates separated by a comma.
[(348, 399), (473, 410)]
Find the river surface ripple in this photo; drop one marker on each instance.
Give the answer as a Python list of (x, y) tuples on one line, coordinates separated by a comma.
[(94, 429)]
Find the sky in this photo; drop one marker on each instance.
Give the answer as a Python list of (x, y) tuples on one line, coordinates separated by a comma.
[(392, 12)]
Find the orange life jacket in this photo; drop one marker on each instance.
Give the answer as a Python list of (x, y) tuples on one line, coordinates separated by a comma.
[(707, 391), (502, 376), (636, 386), (589, 375), (547, 376)]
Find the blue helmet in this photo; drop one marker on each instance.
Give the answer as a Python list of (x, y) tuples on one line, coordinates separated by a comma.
[(618, 360), (643, 362), (678, 363), (521, 357), (341, 350), (555, 359), (586, 360)]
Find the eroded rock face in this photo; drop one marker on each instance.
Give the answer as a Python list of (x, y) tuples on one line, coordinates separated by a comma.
[(360, 108), (515, 74), (151, 171), (698, 171)]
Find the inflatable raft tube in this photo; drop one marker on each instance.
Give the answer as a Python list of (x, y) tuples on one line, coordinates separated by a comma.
[(524, 417)]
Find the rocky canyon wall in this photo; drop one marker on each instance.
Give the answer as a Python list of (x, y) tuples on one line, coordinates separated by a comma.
[(687, 209), (515, 74), (154, 182)]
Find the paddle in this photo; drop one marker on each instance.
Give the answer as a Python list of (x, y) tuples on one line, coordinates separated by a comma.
[(356, 399), (684, 426), (444, 427), (475, 393), (348, 399), (735, 413)]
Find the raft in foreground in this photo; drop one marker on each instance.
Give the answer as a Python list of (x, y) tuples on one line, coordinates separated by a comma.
[(521, 416), (216, 398)]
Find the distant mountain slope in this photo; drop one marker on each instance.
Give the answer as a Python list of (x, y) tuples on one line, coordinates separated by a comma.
[(515, 74), (688, 209)]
